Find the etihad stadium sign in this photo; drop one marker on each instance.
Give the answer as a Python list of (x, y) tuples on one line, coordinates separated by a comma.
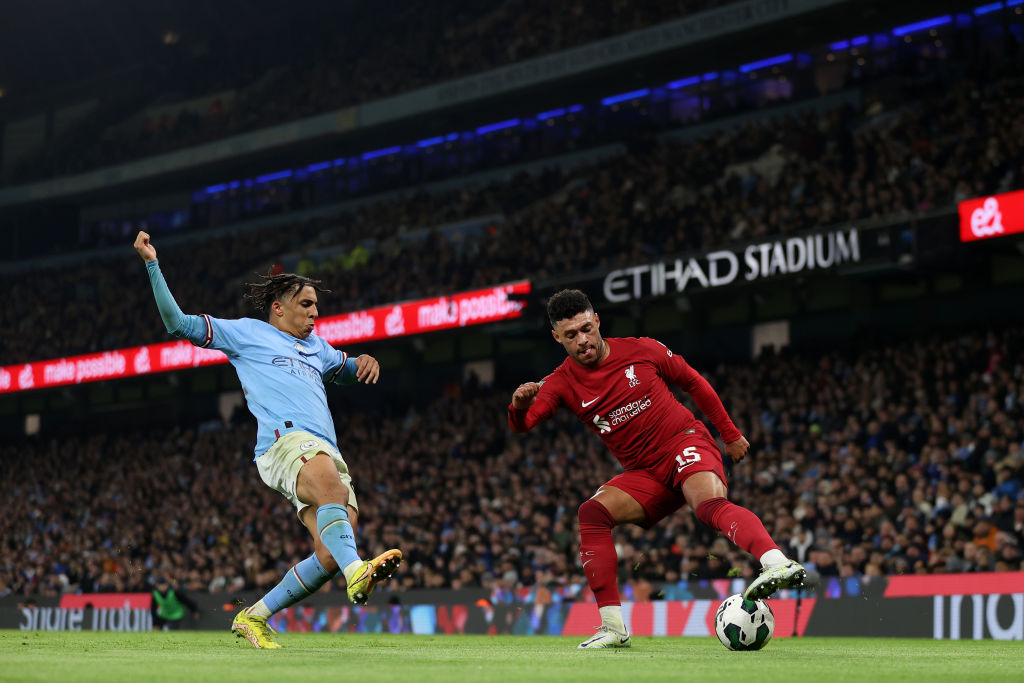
[(726, 267)]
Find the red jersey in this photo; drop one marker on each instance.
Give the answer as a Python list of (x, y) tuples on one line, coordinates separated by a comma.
[(626, 400)]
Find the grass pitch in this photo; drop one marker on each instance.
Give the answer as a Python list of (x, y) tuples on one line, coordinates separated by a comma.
[(219, 656)]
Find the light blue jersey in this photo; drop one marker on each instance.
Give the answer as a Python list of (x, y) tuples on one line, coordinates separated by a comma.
[(282, 376)]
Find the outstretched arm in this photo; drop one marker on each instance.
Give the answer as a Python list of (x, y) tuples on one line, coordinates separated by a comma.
[(194, 328), (526, 411), (706, 398), (676, 371)]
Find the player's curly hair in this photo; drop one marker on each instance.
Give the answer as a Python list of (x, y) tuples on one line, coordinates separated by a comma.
[(276, 287), (566, 304)]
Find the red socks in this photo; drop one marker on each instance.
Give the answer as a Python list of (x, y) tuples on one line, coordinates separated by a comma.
[(597, 552), (740, 525)]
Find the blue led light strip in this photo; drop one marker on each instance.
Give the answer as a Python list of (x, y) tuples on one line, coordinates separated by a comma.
[(387, 151), (764, 63), (626, 96), (430, 142), (985, 9), (852, 42), (683, 82), (280, 175), (500, 125), (922, 25), (545, 115)]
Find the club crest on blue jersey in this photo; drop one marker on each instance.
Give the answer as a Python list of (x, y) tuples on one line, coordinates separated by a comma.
[(298, 347)]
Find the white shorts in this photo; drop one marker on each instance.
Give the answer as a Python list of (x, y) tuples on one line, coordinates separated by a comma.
[(279, 467)]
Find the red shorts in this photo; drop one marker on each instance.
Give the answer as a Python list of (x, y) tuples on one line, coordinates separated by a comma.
[(659, 489)]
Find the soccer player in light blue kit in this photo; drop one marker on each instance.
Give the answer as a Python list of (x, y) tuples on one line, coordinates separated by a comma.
[(283, 367)]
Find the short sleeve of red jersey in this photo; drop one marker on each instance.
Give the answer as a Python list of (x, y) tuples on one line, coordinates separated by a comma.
[(675, 370), (548, 399)]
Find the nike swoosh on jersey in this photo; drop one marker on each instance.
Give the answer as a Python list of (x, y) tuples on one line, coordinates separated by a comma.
[(587, 403)]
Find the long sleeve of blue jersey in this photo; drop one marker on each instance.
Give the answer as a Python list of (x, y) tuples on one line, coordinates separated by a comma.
[(339, 367), (191, 327)]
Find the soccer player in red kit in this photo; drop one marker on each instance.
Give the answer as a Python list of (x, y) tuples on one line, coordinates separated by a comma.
[(619, 388)]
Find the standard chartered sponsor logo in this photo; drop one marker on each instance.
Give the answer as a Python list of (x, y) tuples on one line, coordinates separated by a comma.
[(629, 411)]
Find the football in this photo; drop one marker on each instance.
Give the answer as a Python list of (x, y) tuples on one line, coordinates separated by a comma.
[(744, 624)]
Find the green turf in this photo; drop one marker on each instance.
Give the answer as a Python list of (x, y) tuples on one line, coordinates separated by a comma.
[(209, 656)]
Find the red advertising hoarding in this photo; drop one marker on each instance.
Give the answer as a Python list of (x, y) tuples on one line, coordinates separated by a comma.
[(930, 585), (995, 216), (383, 322)]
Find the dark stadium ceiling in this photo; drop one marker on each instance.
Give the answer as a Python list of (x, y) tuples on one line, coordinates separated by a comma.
[(48, 45), (53, 50)]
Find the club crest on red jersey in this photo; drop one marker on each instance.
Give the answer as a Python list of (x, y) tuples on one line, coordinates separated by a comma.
[(631, 376)]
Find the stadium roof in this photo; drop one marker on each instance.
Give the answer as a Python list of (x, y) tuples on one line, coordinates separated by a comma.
[(50, 44)]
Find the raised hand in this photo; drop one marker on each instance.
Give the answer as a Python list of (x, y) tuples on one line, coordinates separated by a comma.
[(367, 369), (145, 249), (737, 449), (525, 395)]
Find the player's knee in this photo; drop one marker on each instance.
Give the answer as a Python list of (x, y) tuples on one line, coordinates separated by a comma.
[(594, 513), (319, 483)]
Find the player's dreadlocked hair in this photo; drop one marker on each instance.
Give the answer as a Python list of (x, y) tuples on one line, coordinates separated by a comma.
[(566, 304), (276, 287)]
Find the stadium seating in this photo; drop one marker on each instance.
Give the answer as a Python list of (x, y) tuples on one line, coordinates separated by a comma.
[(884, 457), (769, 177), (901, 457)]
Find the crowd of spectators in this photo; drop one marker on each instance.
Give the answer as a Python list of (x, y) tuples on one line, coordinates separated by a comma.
[(382, 53), (899, 458), (766, 178)]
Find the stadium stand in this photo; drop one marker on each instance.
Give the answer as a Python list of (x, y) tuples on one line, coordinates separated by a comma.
[(767, 177), (882, 458), (902, 457)]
